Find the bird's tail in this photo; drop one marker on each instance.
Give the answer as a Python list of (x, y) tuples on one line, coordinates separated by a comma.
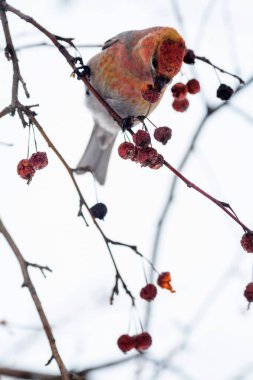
[(97, 154)]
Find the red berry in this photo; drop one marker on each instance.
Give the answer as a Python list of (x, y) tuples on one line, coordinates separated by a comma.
[(141, 138), (135, 157), (147, 156), (25, 170), (180, 105), (149, 292), (179, 91), (163, 134), (193, 86), (150, 94), (38, 160), (247, 242), (248, 292), (143, 341), (164, 281), (126, 150), (158, 163), (189, 57), (126, 342)]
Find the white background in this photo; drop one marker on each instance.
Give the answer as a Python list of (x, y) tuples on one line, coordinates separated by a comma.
[(200, 245)]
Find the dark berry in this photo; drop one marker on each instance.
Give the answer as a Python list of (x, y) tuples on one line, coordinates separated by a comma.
[(179, 91), (149, 292), (180, 105), (248, 292), (164, 281), (150, 94), (38, 160), (126, 342), (141, 139), (224, 92), (163, 134), (189, 57), (25, 170), (126, 150), (247, 242), (98, 211), (193, 86), (143, 341)]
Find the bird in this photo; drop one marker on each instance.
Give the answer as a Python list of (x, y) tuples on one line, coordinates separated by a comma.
[(126, 65)]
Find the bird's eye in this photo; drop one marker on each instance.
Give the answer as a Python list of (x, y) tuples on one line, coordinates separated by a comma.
[(155, 62)]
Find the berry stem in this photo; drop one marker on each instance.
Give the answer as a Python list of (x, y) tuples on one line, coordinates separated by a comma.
[(206, 60), (144, 272), (207, 195), (28, 145), (133, 248), (34, 139)]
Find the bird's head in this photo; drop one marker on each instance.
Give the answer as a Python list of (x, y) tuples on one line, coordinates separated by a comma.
[(162, 49)]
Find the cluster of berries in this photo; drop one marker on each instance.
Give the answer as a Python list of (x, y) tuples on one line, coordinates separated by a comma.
[(140, 150), (140, 342), (224, 92), (26, 168), (143, 341), (180, 91)]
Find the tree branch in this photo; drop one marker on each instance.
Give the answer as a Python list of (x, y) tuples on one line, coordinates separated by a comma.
[(28, 283)]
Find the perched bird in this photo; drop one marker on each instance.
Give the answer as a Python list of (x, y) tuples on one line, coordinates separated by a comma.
[(127, 64)]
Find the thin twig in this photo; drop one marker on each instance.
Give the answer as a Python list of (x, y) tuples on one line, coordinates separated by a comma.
[(40, 267), (206, 60), (28, 283)]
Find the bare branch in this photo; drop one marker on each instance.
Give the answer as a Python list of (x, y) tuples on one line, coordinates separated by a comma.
[(40, 267), (23, 374), (12, 55), (28, 283)]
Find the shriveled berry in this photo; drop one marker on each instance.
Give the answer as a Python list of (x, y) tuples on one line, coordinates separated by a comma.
[(149, 292), (224, 92), (150, 94), (247, 242), (180, 105), (126, 150), (147, 156), (135, 157), (143, 341), (141, 138), (189, 57), (179, 90), (126, 342), (158, 163), (163, 134), (164, 281), (248, 292), (25, 170), (98, 211), (38, 160), (193, 86)]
